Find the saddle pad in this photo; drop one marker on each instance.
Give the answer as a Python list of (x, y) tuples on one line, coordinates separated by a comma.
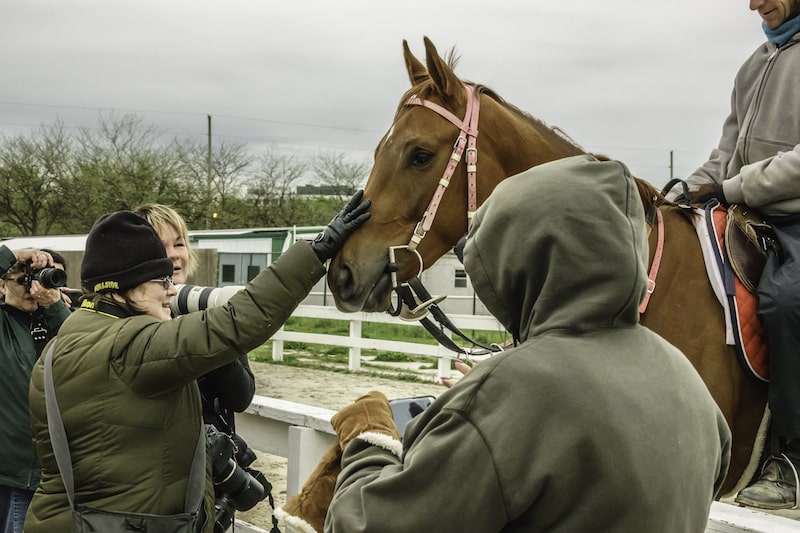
[(744, 330)]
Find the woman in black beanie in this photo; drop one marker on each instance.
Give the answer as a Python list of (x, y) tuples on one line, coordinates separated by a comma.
[(125, 374)]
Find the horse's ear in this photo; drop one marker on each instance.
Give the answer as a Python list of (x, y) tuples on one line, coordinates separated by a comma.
[(442, 75), (417, 72)]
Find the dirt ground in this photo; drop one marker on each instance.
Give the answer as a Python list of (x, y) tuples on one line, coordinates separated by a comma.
[(331, 390)]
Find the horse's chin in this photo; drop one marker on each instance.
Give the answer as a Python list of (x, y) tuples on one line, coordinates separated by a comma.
[(376, 300)]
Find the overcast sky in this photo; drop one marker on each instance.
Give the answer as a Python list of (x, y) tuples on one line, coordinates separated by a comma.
[(634, 79)]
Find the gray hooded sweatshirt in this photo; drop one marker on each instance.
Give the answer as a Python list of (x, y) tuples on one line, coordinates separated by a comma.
[(593, 423), (758, 157)]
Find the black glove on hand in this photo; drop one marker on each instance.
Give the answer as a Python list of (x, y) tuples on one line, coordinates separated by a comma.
[(349, 219), (708, 191)]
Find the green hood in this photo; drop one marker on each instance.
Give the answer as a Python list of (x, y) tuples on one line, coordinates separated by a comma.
[(561, 246)]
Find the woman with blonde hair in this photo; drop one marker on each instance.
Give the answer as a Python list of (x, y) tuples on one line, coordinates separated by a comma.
[(174, 233)]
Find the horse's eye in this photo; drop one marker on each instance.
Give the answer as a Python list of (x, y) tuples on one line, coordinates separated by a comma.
[(421, 158)]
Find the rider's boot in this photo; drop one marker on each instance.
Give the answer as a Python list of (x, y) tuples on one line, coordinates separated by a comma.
[(778, 486)]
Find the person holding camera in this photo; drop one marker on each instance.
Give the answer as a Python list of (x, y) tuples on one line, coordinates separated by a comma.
[(30, 315), (226, 390), (124, 374)]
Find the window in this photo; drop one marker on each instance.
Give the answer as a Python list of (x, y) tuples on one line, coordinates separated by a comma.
[(252, 271), (228, 273), (460, 279)]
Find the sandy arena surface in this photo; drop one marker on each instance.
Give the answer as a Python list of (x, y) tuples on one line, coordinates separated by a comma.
[(331, 390)]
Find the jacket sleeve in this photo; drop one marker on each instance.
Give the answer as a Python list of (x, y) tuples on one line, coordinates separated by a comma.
[(446, 478), (233, 384), (7, 259), (161, 356), (768, 182)]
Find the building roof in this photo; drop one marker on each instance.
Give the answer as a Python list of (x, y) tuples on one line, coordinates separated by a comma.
[(77, 243)]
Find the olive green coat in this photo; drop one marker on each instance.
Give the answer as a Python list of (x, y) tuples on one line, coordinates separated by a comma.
[(127, 391)]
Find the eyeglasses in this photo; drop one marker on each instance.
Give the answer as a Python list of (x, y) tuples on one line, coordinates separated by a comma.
[(22, 280), (166, 282)]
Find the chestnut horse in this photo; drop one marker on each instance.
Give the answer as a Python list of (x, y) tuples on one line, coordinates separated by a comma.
[(407, 174)]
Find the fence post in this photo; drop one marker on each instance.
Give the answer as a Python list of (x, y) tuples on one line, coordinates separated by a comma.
[(306, 448), (354, 363), (443, 357), (277, 347)]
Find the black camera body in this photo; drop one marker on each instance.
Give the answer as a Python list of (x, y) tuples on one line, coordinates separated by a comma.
[(49, 277), (236, 487)]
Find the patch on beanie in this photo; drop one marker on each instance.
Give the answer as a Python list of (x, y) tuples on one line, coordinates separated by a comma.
[(106, 286)]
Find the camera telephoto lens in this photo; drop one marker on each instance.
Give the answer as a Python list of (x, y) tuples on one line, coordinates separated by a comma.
[(230, 479), (51, 278), (242, 488)]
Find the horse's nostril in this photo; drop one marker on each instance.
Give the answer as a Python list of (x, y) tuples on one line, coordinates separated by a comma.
[(343, 281)]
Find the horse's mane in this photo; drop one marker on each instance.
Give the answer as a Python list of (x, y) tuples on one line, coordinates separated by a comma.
[(651, 197), (424, 89)]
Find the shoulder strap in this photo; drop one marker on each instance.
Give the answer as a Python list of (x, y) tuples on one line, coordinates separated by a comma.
[(58, 438), (55, 425)]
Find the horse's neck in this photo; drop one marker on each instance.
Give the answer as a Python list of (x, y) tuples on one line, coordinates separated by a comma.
[(526, 142)]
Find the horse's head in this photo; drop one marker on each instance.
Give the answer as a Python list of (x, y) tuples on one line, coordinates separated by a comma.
[(409, 161), (410, 166)]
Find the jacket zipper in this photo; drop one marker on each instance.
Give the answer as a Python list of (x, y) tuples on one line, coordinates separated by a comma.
[(759, 96)]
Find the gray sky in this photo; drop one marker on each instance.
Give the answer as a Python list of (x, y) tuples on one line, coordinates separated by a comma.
[(633, 79)]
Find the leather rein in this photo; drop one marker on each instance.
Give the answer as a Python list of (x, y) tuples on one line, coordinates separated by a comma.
[(413, 302)]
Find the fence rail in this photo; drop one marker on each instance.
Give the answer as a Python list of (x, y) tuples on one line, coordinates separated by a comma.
[(356, 342)]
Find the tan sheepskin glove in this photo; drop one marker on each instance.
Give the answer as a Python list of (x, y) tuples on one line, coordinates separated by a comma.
[(370, 418), (305, 512)]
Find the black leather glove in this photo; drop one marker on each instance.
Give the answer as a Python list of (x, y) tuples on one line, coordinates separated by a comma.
[(708, 191), (327, 244)]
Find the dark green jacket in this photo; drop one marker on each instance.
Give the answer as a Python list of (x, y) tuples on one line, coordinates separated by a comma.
[(128, 394), (18, 352)]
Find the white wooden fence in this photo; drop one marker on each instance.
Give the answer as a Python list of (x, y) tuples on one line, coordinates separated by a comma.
[(302, 433), (355, 342)]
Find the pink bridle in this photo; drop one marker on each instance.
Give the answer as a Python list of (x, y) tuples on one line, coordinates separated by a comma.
[(467, 139)]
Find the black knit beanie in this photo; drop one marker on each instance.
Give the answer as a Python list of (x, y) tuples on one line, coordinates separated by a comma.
[(122, 251)]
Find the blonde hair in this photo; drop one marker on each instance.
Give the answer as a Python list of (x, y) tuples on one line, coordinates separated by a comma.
[(162, 218)]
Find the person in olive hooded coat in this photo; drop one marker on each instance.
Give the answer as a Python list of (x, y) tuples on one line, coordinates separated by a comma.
[(592, 423), (125, 375)]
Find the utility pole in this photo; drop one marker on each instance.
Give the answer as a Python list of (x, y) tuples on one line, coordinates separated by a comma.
[(671, 164), (209, 207)]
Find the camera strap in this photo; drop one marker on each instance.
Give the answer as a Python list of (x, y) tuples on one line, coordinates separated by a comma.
[(106, 308), (35, 322), (39, 331)]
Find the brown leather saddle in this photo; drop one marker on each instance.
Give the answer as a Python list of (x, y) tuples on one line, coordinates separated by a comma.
[(748, 241)]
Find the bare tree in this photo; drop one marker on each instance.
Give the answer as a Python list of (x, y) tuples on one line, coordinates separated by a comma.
[(31, 170), (271, 189), (118, 165), (339, 175), (211, 190)]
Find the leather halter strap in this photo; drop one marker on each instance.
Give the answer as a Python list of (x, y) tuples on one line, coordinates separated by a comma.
[(467, 140), (651, 277)]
